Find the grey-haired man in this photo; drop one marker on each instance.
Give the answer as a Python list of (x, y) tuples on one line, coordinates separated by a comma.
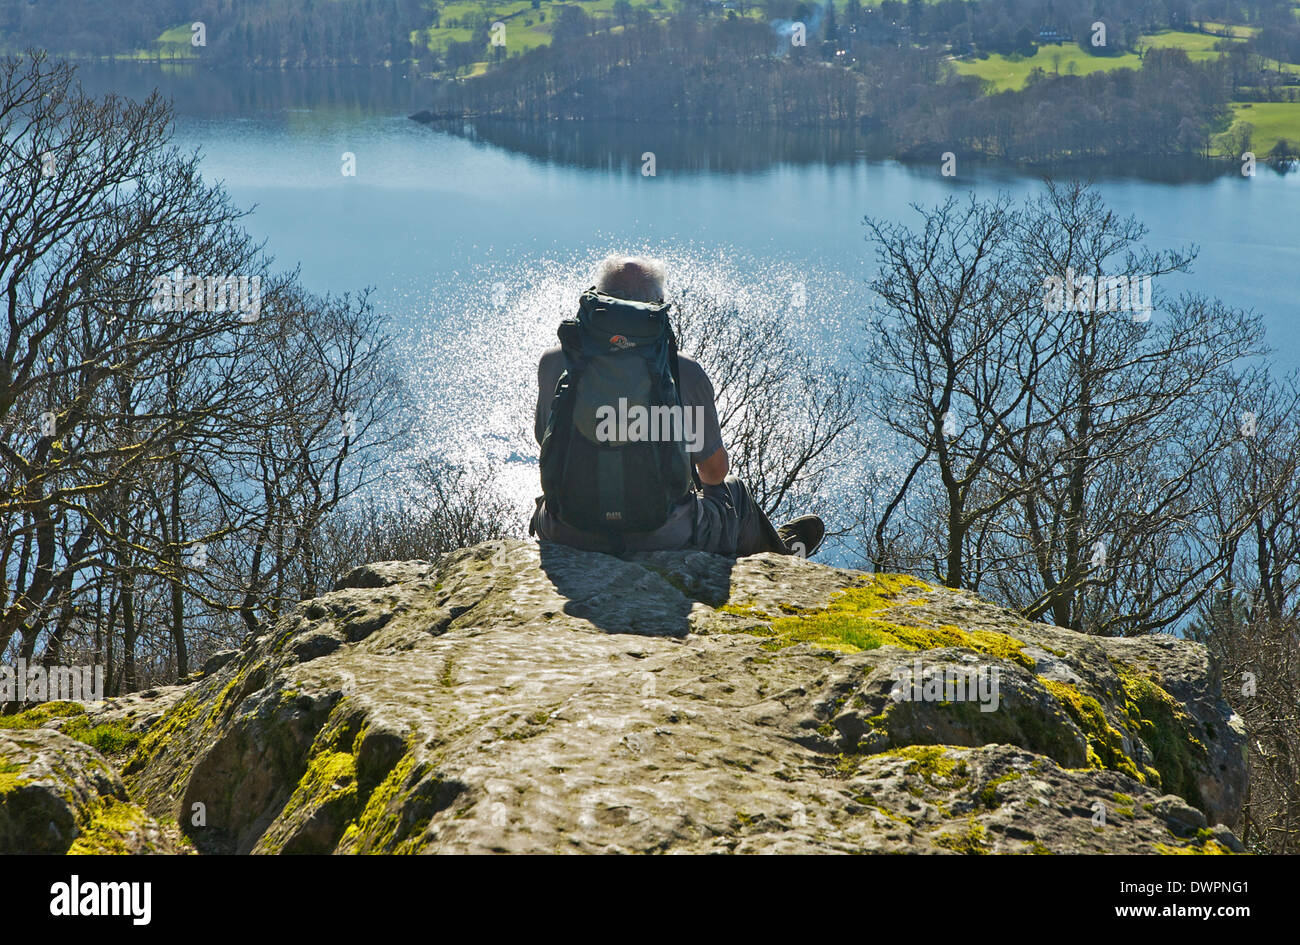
[(719, 516)]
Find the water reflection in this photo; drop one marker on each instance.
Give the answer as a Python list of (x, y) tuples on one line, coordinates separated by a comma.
[(201, 91), (683, 148), (620, 147), (204, 92)]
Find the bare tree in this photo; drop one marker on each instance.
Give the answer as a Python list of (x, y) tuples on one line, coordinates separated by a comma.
[(327, 404), (176, 423), (1251, 622), (1054, 453), (787, 417), (95, 207), (448, 507), (948, 334)]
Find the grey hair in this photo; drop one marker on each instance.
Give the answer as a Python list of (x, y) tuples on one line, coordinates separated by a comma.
[(633, 278)]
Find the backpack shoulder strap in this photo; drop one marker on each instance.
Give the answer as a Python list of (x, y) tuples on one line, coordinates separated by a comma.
[(570, 335)]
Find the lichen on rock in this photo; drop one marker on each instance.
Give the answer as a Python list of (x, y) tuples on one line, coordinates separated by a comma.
[(517, 697)]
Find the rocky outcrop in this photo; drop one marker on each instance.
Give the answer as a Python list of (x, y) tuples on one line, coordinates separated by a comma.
[(525, 698), (58, 795)]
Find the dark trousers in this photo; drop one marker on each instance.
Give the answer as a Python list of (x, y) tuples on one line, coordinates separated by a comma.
[(723, 519), (730, 522)]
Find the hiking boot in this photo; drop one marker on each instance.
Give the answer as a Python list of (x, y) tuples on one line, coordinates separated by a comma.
[(804, 535)]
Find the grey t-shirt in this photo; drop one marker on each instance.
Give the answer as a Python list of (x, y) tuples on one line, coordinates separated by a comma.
[(696, 391)]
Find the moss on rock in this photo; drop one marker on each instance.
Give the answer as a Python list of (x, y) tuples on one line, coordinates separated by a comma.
[(972, 840), (855, 621), (421, 738), (1166, 729), (1201, 848), (988, 794), (934, 765), (1105, 742), (114, 827), (38, 716), (381, 826), (9, 779), (108, 738), (171, 725)]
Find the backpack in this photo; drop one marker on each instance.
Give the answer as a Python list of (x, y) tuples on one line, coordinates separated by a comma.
[(598, 474)]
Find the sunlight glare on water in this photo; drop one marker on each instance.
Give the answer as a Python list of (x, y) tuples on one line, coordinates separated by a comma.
[(471, 352)]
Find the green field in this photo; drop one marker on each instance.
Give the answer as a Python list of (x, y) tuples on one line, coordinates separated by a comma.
[(1011, 72), (1198, 46), (1272, 120), (171, 44), (1240, 32), (526, 27)]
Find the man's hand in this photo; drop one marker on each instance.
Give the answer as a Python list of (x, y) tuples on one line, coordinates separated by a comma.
[(714, 469)]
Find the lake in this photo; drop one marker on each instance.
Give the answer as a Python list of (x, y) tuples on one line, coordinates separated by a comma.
[(476, 240)]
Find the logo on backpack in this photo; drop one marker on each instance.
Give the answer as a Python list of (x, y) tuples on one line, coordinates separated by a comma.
[(618, 341)]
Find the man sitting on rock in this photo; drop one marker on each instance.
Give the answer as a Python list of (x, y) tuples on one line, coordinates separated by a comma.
[(632, 456)]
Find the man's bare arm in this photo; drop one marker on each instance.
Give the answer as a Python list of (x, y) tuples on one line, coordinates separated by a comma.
[(543, 408), (714, 469)]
